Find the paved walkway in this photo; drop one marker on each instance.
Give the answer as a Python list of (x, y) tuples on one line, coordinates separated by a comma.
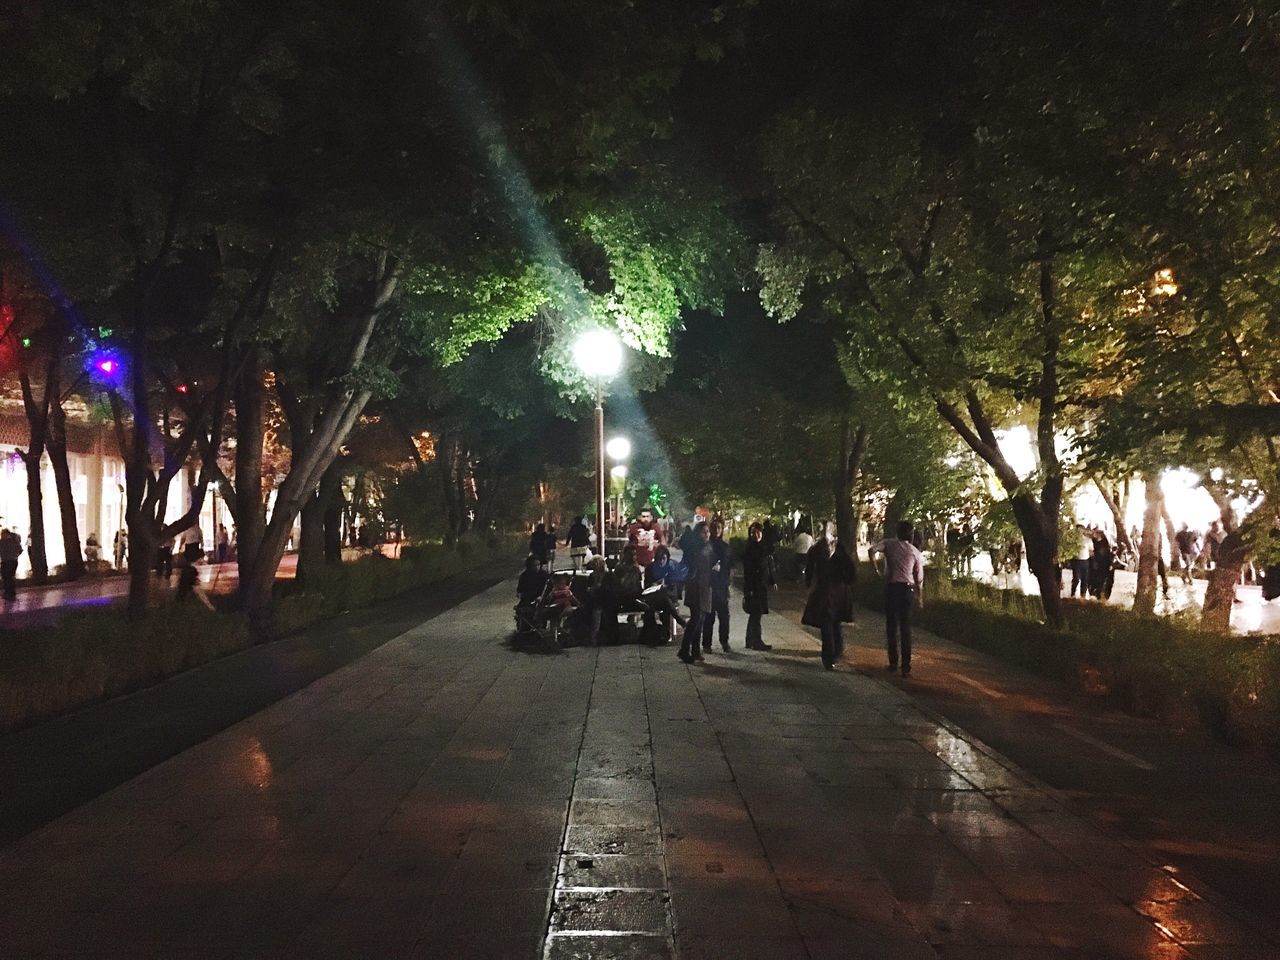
[(449, 797)]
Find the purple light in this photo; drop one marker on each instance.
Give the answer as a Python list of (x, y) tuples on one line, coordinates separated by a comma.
[(107, 366)]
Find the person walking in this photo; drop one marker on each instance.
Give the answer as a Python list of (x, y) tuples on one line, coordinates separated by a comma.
[(800, 548), (903, 588), (1185, 540), (222, 543), (697, 592), (10, 551), (757, 578), (579, 543), (721, 571), (829, 571), (120, 549)]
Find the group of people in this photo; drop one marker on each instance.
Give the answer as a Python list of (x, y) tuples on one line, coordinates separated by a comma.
[(1093, 565), (645, 576)]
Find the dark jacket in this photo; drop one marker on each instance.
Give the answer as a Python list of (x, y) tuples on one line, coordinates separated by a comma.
[(756, 577), (722, 554), (697, 591), (829, 576), (579, 536)]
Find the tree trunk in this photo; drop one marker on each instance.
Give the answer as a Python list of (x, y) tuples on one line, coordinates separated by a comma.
[(1220, 594), (250, 402), (1144, 599), (852, 448), (57, 444), (1041, 542), (333, 530), (445, 455), (1117, 515), (37, 425), (312, 547)]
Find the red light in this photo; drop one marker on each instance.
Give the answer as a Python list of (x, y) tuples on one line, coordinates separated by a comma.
[(182, 388)]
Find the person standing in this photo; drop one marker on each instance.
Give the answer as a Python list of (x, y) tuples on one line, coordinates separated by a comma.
[(1102, 572), (1213, 543), (120, 549), (10, 551), (1080, 563), (829, 571), (721, 571), (903, 588), (645, 536), (757, 578), (1185, 540), (222, 543), (579, 543), (697, 593)]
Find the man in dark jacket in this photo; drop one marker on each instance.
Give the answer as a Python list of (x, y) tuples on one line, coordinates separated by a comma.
[(829, 571), (721, 571), (697, 593)]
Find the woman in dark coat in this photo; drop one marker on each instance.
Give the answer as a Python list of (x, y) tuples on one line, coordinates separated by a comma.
[(829, 572), (756, 580), (1102, 574)]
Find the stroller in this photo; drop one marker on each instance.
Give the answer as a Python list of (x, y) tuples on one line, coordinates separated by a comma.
[(546, 619)]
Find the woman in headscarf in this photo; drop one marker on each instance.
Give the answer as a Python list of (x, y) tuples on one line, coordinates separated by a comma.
[(828, 573), (756, 580)]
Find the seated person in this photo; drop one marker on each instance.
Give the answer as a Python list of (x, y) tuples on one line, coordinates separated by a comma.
[(562, 598), (531, 583)]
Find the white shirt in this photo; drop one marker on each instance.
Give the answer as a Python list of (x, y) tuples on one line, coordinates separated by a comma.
[(903, 563), (804, 543), (1085, 550)]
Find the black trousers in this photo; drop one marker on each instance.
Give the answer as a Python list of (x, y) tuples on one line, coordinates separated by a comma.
[(898, 600), (755, 635), (1080, 577), (832, 632), (692, 633), (719, 610), (9, 576)]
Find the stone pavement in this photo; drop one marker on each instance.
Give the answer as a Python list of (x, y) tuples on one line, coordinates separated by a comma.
[(447, 796)]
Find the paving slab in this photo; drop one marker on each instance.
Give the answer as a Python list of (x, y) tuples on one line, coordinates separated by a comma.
[(448, 795)]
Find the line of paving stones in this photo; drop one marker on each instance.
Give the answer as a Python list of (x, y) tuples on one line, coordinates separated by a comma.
[(447, 796)]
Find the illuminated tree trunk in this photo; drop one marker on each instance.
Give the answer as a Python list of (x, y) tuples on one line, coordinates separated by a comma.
[(57, 442), (1144, 599), (37, 422), (849, 460), (1175, 556), (1220, 594)]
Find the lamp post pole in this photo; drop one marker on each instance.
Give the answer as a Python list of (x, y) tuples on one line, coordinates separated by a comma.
[(600, 525)]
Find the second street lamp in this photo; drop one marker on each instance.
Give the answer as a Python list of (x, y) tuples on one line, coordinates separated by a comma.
[(598, 354)]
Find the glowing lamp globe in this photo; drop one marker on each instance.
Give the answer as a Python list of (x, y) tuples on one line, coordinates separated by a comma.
[(598, 354), (619, 448), (619, 472)]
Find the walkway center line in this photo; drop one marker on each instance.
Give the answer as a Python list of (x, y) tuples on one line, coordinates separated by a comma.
[(980, 687), (1105, 747)]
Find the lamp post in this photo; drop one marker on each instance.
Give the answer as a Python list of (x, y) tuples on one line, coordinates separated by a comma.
[(599, 356), (619, 449)]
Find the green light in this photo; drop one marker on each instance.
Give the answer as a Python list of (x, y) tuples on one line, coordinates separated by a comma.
[(26, 343), (105, 331)]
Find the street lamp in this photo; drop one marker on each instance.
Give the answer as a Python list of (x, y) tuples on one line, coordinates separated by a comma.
[(598, 354), (618, 473), (619, 449)]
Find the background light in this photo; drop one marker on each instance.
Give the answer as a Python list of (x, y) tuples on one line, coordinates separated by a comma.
[(598, 353), (619, 448), (619, 472), (107, 366)]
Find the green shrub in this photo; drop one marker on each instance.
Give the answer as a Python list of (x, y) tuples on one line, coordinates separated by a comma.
[(1161, 667), (97, 654)]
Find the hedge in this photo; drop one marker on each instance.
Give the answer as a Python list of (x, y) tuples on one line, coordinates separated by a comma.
[(1163, 667), (95, 655)]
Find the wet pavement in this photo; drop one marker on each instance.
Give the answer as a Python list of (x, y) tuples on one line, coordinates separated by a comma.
[(447, 796)]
